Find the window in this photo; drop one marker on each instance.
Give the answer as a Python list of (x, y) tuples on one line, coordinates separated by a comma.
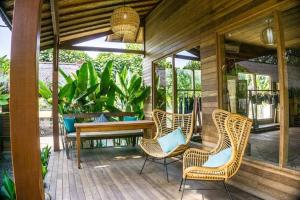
[(177, 81), (251, 86)]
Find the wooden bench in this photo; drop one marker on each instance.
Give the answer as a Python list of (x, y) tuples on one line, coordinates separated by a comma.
[(68, 138)]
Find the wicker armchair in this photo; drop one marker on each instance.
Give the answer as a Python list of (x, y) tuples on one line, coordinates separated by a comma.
[(234, 131), (166, 123)]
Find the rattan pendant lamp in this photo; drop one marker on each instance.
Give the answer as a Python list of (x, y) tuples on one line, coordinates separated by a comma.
[(125, 21)]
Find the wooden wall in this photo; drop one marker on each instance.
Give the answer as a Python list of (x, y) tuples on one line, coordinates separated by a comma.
[(177, 25)]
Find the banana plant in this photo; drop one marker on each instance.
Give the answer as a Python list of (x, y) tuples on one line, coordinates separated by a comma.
[(131, 92), (85, 91), (8, 190)]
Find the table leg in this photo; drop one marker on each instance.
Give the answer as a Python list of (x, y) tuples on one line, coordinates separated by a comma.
[(78, 148)]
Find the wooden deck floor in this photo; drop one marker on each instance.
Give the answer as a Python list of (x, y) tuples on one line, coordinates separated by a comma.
[(113, 173)]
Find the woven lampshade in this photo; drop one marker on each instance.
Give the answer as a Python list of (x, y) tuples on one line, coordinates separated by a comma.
[(125, 20), (268, 36)]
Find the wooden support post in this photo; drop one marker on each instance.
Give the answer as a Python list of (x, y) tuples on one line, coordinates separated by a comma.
[(55, 96), (24, 107), (55, 26), (283, 93)]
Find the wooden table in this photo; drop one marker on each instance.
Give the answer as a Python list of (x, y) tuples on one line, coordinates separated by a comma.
[(110, 126)]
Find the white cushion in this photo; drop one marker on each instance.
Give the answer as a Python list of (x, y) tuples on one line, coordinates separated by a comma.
[(107, 133)]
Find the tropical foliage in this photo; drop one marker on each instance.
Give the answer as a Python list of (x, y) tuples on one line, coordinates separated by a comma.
[(65, 56), (4, 78), (45, 155), (91, 91), (131, 92), (8, 190), (131, 61)]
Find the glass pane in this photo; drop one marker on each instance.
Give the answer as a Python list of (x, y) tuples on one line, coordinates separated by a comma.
[(198, 80), (291, 29), (163, 84), (187, 72), (250, 80)]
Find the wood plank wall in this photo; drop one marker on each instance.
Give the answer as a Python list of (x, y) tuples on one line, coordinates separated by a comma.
[(177, 25)]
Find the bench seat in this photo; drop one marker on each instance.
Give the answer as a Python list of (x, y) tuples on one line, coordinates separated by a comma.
[(106, 134)]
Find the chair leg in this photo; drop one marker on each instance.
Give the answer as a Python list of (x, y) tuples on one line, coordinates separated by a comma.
[(144, 164), (67, 149), (166, 166), (227, 190), (134, 141), (180, 184), (184, 181)]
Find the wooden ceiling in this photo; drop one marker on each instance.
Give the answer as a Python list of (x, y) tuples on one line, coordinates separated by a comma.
[(251, 33), (75, 19)]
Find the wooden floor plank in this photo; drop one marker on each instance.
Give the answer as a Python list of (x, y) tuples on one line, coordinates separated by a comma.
[(65, 176), (113, 173), (59, 180)]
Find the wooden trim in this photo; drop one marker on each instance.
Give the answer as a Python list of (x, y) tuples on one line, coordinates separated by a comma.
[(220, 42), (54, 16), (55, 117), (154, 86), (283, 91), (24, 117), (84, 48), (86, 38), (187, 57), (174, 86), (251, 15), (6, 20)]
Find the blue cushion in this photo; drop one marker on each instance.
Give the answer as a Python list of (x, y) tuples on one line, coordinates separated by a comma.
[(69, 124), (171, 140), (219, 159), (101, 118), (129, 118)]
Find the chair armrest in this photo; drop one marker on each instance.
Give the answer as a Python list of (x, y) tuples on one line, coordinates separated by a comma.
[(194, 157)]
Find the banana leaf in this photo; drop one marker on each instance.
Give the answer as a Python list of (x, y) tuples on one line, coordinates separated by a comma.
[(44, 90), (82, 80), (105, 78), (8, 187), (66, 77), (67, 92)]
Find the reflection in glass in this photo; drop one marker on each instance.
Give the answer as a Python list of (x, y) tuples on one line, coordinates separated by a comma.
[(291, 27), (250, 81), (164, 84)]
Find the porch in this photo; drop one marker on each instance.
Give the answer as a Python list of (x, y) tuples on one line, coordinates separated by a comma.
[(113, 173)]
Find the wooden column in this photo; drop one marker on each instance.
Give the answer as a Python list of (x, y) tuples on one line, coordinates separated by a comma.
[(24, 109), (283, 86), (55, 26), (55, 96)]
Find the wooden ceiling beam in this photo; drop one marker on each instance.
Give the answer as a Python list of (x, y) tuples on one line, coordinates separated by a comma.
[(97, 11), (187, 57), (102, 49), (85, 29), (54, 17), (83, 34), (5, 18), (86, 38), (99, 5), (84, 25), (194, 52), (85, 19)]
